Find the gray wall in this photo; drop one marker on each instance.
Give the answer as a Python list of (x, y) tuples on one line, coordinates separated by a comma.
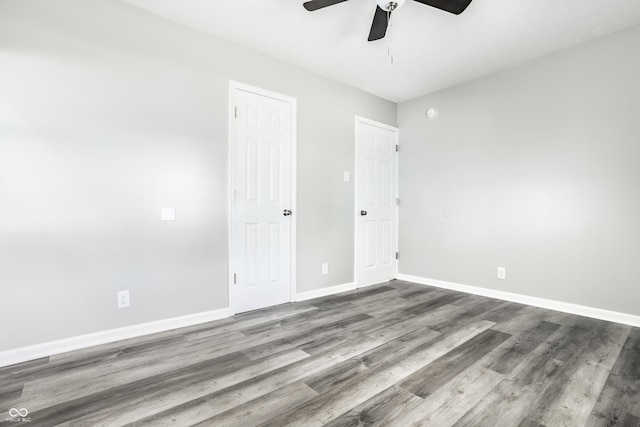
[(537, 170), (109, 113)]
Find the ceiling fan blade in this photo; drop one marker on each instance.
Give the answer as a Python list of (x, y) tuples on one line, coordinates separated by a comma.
[(451, 6), (319, 4), (379, 24)]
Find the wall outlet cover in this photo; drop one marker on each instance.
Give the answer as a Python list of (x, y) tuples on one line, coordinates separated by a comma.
[(168, 214), (123, 299)]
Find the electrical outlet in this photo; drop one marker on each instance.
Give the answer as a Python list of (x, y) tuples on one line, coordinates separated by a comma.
[(325, 268), (123, 299), (502, 273)]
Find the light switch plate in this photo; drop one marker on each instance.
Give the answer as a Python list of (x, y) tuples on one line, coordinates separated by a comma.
[(347, 176), (168, 214)]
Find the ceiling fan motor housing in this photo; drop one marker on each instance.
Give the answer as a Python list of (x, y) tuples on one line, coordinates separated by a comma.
[(389, 5)]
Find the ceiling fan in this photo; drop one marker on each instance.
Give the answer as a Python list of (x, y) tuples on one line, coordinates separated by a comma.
[(385, 7)]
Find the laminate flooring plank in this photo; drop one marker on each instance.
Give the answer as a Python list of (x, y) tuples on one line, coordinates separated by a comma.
[(333, 332), (331, 323), (508, 403), (187, 395), (570, 340), (418, 321), (358, 295), (519, 346), (379, 301), (536, 385), (621, 393), (305, 319), (470, 300), (361, 323), (471, 314), (94, 360), (274, 312), (326, 379), (451, 402), (398, 348), (503, 312), (378, 410), (529, 423), (413, 293), (417, 341), (411, 308), (268, 349), (319, 344), (17, 368), (524, 319), (10, 393), (570, 403), (605, 348), (229, 395), (429, 379), (107, 348), (247, 320), (432, 304), (361, 387), (76, 408), (621, 419), (73, 384), (379, 304), (252, 413), (587, 358)]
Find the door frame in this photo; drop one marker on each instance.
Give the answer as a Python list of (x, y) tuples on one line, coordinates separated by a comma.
[(235, 86), (358, 120)]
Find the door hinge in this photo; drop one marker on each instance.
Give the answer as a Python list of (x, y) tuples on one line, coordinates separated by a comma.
[(398, 202), (235, 112), (234, 278), (397, 255), (397, 148)]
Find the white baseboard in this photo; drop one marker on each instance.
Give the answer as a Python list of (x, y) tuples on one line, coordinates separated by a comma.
[(580, 310), (51, 348), (323, 292)]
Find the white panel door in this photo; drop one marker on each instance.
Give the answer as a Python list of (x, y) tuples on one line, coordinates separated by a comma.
[(376, 208), (261, 208)]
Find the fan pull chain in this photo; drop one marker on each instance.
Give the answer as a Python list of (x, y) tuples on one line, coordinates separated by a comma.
[(389, 54)]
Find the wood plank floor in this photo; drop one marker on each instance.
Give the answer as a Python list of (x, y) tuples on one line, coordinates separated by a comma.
[(396, 354)]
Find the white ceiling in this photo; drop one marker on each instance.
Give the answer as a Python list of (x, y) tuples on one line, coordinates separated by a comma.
[(431, 49)]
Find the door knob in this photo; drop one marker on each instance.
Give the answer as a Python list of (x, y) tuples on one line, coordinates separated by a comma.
[(287, 212), (363, 213)]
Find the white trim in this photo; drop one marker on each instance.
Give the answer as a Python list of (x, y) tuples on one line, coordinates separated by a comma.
[(323, 292), (356, 209), (51, 348), (360, 119), (580, 310), (233, 87)]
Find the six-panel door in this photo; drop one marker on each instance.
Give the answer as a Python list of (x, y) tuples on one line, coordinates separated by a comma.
[(261, 229)]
